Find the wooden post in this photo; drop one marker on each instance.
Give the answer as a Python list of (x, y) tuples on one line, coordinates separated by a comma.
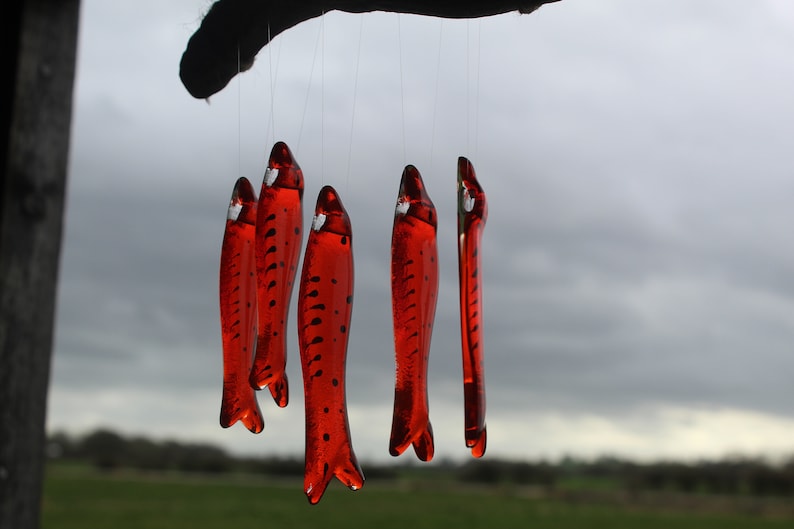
[(39, 47)]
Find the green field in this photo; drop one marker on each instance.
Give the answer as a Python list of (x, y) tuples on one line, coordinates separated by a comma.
[(82, 498)]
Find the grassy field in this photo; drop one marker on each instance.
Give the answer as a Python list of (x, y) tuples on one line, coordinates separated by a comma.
[(81, 498)]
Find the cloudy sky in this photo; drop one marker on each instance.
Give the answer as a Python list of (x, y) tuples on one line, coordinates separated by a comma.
[(638, 159)]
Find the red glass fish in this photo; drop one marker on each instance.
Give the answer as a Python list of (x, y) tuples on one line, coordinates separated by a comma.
[(414, 289), (238, 309), (472, 214), (279, 228), (325, 301)]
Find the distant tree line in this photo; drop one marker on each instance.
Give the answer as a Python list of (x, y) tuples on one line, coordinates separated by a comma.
[(108, 450)]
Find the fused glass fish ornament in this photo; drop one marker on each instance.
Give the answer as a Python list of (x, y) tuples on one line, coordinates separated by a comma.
[(279, 230), (325, 301), (238, 309), (414, 289), (472, 214)]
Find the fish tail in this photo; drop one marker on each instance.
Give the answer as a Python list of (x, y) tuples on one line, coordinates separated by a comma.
[(250, 416), (403, 436), (345, 468)]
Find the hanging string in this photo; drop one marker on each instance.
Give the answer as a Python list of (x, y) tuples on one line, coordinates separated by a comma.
[(322, 99), (468, 85), (477, 91), (355, 93), (435, 97), (309, 85), (239, 118), (402, 89), (272, 85)]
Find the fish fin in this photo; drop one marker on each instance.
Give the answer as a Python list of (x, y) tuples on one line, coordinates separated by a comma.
[(477, 444), (279, 388), (398, 440), (261, 370), (423, 444)]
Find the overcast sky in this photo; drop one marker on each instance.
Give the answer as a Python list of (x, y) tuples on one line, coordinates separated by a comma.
[(638, 159)]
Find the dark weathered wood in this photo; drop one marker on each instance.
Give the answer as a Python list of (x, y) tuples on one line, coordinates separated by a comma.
[(39, 65), (233, 31)]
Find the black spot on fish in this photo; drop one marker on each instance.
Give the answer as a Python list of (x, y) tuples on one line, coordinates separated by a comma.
[(316, 321), (317, 358), (427, 278), (314, 279), (343, 240), (334, 281), (476, 271), (271, 284), (326, 437), (325, 468), (318, 373), (335, 382), (271, 232), (272, 249), (343, 329), (272, 216), (475, 252), (319, 306), (273, 266), (349, 299), (313, 294), (326, 410), (316, 339), (272, 303), (297, 231)]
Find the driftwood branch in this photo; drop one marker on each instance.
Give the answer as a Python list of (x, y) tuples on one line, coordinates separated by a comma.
[(233, 31)]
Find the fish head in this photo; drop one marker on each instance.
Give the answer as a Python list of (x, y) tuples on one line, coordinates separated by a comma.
[(242, 206), (282, 169), (471, 197), (330, 215), (413, 199)]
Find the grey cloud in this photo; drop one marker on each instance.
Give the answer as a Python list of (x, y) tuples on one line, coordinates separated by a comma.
[(637, 171)]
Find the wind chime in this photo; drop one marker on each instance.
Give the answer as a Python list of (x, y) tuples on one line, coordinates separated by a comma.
[(259, 264)]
